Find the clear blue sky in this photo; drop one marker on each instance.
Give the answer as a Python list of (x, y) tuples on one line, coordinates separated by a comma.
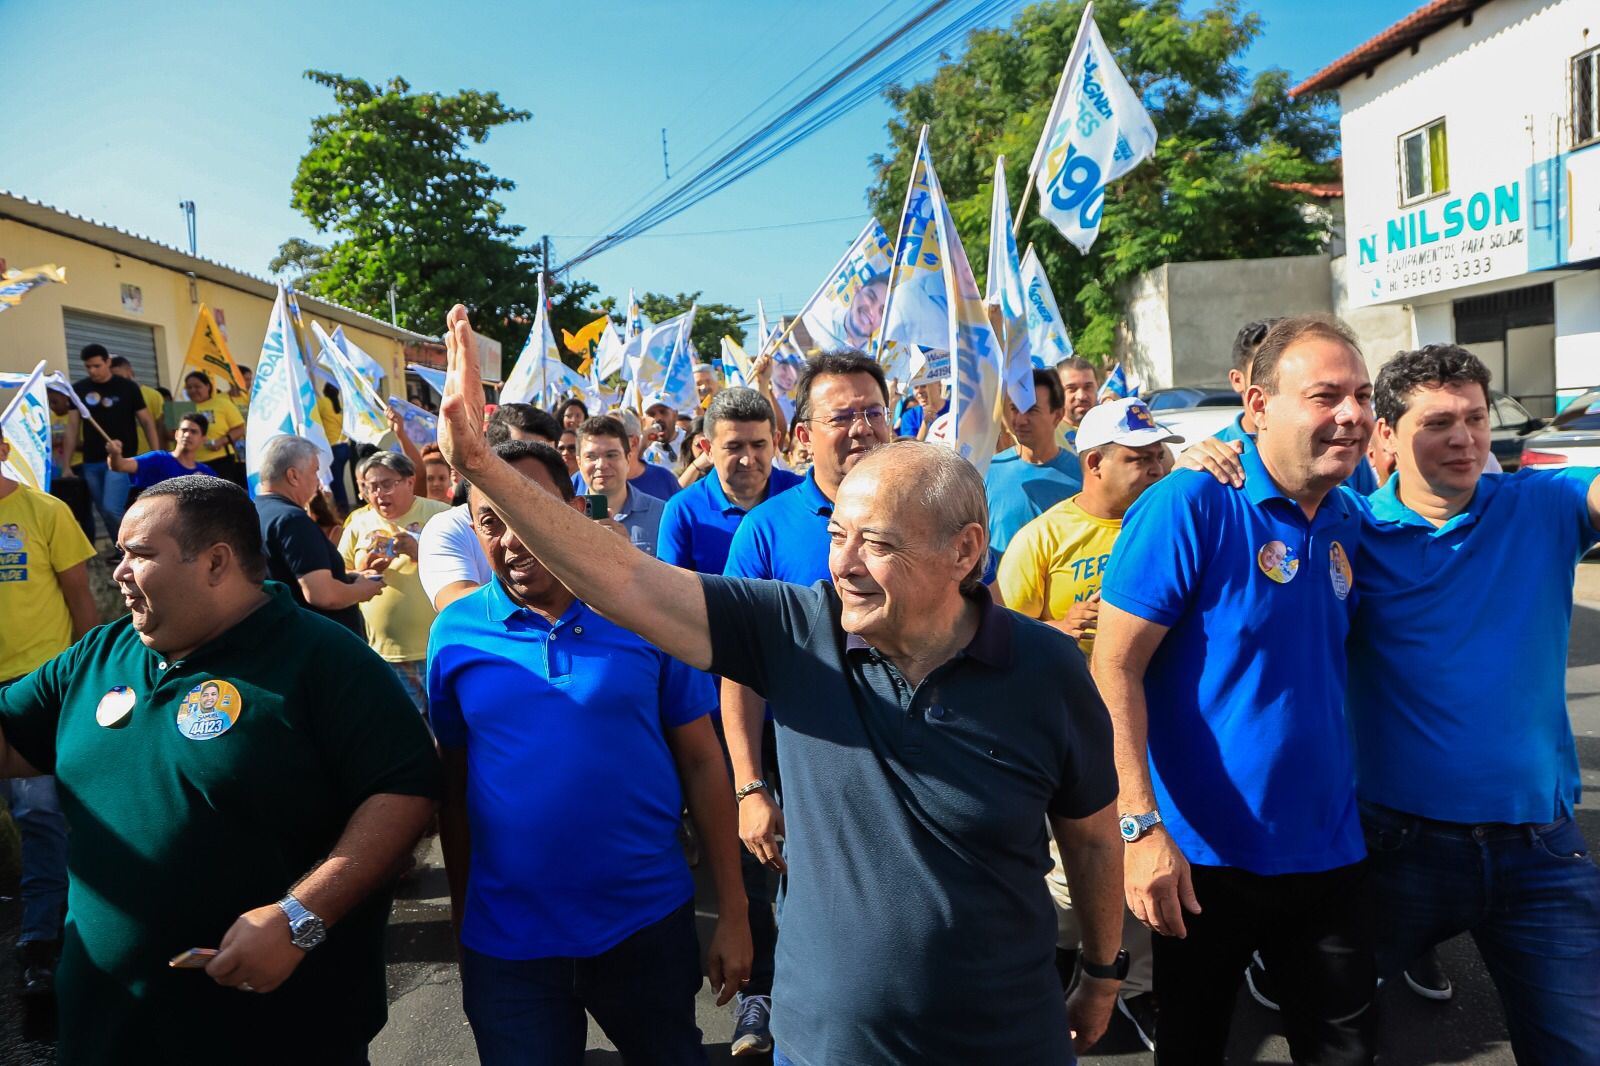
[(120, 111)]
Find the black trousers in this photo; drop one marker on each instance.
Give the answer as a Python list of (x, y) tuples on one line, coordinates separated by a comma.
[(1318, 931)]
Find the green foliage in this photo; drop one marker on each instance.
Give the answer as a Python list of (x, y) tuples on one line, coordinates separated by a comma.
[(711, 321), (388, 180), (1209, 192)]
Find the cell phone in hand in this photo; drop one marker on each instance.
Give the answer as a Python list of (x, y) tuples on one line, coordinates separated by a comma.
[(193, 959), (596, 506)]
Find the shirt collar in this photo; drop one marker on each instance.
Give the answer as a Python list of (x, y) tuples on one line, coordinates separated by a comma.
[(811, 492), (1387, 509), (1259, 486), (990, 643), (630, 503), (1238, 424), (719, 498), (500, 607)]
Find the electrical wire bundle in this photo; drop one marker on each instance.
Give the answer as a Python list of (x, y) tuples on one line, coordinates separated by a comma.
[(931, 31)]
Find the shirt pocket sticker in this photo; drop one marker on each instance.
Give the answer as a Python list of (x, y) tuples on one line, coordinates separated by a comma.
[(1278, 561), (1339, 571), (209, 710), (115, 707)]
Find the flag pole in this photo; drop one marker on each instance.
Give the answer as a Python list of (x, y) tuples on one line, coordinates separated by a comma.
[(894, 262), (1050, 122)]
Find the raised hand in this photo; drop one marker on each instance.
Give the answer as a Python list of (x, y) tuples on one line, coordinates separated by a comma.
[(461, 436)]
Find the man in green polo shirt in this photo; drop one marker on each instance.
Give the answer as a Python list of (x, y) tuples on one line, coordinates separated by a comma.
[(239, 774)]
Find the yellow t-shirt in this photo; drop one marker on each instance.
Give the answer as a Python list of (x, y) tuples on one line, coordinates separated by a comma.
[(158, 407), (39, 538), (332, 421), (399, 617), (1055, 561), (222, 416)]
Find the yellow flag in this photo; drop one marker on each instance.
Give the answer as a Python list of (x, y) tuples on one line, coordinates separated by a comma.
[(208, 352), (15, 284), (583, 341)]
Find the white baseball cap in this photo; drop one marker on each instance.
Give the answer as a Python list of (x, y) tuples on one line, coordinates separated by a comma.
[(1126, 422)]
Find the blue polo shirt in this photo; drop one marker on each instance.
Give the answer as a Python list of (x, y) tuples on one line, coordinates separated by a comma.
[(1449, 722), (656, 481), (572, 792), (641, 515), (1020, 491), (911, 420), (785, 538), (698, 523), (1249, 751), (1363, 479), (158, 466)]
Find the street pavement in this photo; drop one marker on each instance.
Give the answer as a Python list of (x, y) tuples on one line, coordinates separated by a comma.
[(427, 1028)]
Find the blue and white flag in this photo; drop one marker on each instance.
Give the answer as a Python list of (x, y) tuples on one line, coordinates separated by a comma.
[(422, 427), (1098, 130), (665, 362), (918, 305), (26, 428), (1004, 290), (1116, 385), (369, 368), (540, 377), (282, 400), (610, 354), (431, 375), (55, 381), (846, 311), (362, 410), (1047, 330)]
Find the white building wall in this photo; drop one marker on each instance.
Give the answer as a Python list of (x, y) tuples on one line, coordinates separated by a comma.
[(1577, 340)]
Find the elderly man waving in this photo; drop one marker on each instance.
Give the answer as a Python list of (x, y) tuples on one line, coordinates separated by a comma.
[(924, 736)]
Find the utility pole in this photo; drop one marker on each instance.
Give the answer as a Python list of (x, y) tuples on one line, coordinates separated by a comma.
[(394, 319), (187, 207), (666, 170), (545, 261)]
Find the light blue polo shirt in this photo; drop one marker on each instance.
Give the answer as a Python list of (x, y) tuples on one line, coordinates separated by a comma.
[(698, 523), (1249, 752), (785, 538), (1458, 654), (572, 792), (641, 517), (1363, 479), (1020, 491)]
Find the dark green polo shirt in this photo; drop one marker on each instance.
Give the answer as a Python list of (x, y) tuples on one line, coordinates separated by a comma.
[(173, 838)]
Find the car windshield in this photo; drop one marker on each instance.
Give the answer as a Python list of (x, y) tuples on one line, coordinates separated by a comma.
[(1171, 399), (1582, 413), (1506, 413)]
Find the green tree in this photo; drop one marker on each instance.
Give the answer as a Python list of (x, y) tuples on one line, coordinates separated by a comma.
[(711, 321), (388, 182), (1210, 192)]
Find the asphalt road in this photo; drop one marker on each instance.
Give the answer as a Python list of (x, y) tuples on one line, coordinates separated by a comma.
[(427, 1028)]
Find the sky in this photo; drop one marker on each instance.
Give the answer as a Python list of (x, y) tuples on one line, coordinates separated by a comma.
[(119, 112)]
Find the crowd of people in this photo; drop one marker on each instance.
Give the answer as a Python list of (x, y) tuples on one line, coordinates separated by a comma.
[(973, 763)]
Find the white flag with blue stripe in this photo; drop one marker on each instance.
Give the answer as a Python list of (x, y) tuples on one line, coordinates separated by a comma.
[(362, 409), (26, 427), (1047, 330), (1004, 290), (369, 368), (282, 400)]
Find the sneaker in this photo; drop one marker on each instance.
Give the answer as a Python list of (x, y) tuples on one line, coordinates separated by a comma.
[(36, 967), (1263, 989), (1427, 978), (751, 1035), (1141, 1011)]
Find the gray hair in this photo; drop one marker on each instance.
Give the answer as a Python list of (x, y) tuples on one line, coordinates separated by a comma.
[(737, 405), (282, 454), (949, 489), (630, 421), (389, 461)]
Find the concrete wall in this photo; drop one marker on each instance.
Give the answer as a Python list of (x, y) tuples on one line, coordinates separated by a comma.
[(35, 330)]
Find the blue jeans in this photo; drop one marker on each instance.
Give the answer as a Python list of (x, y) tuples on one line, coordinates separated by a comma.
[(43, 830), (1530, 897), (529, 1012), (108, 491), (341, 459), (414, 676)]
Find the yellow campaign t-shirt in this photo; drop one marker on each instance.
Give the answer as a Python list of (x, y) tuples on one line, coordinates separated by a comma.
[(158, 407), (332, 421), (39, 538), (399, 617), (222, 416), (1055, 561)]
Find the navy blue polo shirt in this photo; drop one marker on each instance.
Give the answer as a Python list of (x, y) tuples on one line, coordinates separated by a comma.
[(572, 792), (1448, 723), (1363, 479), (698, 525), (785, 537), (917, 927), (1249, 751), (1020, 491)]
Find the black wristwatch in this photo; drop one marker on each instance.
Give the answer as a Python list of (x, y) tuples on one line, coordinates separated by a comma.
[(1116, 971)]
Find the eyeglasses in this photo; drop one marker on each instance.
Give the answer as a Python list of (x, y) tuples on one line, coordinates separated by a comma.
[(843, 420), (381, 486)]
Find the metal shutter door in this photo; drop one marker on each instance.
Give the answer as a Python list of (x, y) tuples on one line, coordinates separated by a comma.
[(121, 337)]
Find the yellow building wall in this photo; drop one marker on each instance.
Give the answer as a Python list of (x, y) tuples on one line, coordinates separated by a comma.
[(35, 329)]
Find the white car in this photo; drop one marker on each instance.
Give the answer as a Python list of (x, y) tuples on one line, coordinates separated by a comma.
[(1195, 424), (1571, 439)]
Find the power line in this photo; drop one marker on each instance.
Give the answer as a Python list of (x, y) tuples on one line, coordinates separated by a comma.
[(715, 232)]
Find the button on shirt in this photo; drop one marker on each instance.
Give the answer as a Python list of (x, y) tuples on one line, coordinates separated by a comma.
[(1363, 480), (572, 792), (1020, 491), (916, 827), (1249, 751), (785, 538), (1447, 724), (698, 523)]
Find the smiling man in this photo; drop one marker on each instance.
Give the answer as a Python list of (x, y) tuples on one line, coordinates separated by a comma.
[(924, 736), (603, 462), (267, 826)]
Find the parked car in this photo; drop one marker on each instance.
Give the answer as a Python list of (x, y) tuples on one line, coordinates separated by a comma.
[(1571, 439), (1197, 423), (1181, 397), (1509, 425)]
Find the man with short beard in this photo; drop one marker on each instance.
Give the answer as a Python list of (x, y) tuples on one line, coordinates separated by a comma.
[(1080, 381)]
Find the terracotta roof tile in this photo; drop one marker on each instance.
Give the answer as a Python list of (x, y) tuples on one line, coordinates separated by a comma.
[(1403, 34)]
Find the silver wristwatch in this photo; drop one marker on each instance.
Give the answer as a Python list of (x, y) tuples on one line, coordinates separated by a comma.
[(306, 930), (1135, 826)]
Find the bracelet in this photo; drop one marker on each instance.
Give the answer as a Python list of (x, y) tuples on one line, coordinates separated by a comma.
[(755, 786)]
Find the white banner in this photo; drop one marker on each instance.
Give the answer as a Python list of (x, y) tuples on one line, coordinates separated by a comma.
[(1004, 291), (282, 399), (1047, 330)]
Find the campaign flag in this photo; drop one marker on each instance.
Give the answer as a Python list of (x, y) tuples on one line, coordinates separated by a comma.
[(586, 340), (1098, 130), (1116, 386), (55, 381), (26, 427), (737, 364), (369, 368), (669, 343), (282, 401), (15, 284), (362, 409), (933, 277), (422, 427), (208, 353), (433, 376), (1004, 291), (636, 320), (610, 353), (1047, 330), (847, 308), (540, 377)]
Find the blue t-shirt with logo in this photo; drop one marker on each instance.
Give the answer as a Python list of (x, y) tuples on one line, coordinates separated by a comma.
[(1249, 752), (1450, 722), (1020, 491)]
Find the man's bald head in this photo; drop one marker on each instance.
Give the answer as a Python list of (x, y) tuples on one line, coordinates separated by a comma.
[(928, 491)]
